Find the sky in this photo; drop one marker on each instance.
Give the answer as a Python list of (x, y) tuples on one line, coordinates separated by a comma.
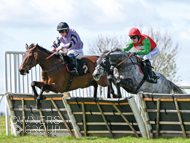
[(35, 21)]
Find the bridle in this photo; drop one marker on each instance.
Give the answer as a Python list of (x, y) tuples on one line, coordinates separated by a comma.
[(108, 68), (30, 65)]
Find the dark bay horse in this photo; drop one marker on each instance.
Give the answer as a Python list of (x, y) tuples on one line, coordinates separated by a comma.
[(55, 76), (128, 75)]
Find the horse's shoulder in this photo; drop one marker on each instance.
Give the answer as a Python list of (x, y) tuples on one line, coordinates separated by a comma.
[(91, 58)]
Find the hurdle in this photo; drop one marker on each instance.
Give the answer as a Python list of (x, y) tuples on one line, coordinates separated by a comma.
[(51, 120), (61, 116), (165, 114)]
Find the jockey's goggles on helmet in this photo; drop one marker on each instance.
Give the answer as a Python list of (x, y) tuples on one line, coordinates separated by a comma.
[(62, 31), (133, 37)]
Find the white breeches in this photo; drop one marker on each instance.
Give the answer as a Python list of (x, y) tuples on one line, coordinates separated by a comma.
[(153, 54), (77, 53)]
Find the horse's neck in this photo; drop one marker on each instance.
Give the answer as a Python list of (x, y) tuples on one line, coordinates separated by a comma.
[(46, 63), (118, 58)]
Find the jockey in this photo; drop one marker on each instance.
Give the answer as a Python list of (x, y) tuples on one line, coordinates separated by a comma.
[(146, 47), (69, 41)]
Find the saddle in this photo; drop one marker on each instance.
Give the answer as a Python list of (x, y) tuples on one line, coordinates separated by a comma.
[(144, 70), (82, 67)]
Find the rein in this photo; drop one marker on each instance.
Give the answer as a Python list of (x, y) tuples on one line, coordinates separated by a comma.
[(30, 65), (123, 60)]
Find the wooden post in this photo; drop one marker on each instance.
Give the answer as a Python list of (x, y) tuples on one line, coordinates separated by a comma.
[(144, 114), (23, 117), (104, 118), (84, 119), (14, 124), (125, 120), (71, 116), (62, 118), (179, 116), (44, 124), (158, 117)]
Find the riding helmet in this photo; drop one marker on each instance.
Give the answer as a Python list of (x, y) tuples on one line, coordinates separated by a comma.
[(134, 31), (62, 26)]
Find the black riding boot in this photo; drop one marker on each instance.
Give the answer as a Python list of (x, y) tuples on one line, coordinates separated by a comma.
[(150, 76), (74, 70)]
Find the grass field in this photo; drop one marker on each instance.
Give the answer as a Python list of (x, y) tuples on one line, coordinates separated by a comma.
[(34, 139)]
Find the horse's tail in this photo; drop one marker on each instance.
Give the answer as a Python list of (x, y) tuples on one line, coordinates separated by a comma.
[(176, 89)]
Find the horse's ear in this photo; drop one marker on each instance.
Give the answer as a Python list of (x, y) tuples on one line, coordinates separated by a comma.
[(27, 49), (100, 51), (107, 54)]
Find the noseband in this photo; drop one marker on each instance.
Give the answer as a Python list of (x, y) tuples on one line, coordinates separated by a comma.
[(30, 65)]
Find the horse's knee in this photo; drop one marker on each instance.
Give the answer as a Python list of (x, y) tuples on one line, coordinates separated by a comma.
[(33, 83), (45, 87)]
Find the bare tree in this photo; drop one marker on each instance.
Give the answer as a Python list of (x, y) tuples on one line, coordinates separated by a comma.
[(165, 62), (107, 43)]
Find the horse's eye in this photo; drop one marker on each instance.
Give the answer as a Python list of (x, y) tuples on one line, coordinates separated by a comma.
[(104, 61)]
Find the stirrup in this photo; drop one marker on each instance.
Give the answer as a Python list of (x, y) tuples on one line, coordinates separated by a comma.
[(152, 80), (74, 72)]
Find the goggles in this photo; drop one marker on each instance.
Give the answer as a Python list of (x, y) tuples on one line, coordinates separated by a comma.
[(133, 37), (62, 31)]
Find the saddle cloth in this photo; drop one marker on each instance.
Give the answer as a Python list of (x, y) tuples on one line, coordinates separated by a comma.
[(82, 67)]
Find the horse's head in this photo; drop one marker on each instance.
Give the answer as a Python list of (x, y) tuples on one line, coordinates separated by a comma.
[(29, 59), (102, 65)]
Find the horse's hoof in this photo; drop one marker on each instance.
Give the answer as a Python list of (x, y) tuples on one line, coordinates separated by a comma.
[(43, 98), (39, 106), (115, 96), (35, 97)]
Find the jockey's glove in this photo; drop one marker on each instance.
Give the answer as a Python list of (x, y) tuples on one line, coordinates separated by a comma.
[(133, 54)]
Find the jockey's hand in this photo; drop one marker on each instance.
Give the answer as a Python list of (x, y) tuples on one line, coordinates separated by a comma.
[(53, 50), (133, 54), (65, 50), (58, 49)]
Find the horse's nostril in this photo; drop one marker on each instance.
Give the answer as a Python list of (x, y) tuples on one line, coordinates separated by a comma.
[(22, 72)]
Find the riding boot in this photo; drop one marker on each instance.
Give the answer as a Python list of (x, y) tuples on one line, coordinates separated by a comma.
[(150, 77), (74, 70)]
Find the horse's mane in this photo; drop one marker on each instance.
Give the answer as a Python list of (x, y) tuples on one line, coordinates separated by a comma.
[(117, 49), (113, 50), (40, 48)]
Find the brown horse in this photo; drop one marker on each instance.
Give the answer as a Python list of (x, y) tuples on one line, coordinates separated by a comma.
[(55, 76)]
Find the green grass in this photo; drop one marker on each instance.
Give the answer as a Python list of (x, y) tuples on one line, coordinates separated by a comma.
[(67, 139)]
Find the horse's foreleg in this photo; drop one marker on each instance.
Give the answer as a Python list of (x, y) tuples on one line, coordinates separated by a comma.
[(38, 104), (111, 89), (43, 88), (95, 89), (38, 84), (108, 93), (118, 89)]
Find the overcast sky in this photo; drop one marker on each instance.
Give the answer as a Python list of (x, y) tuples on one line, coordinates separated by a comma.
[(35, 21)]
